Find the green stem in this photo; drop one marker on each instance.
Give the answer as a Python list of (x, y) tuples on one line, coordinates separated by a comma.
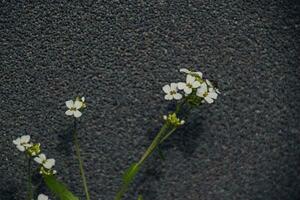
[(167, 135), (30, 193), (162, 135), (154, 143), (149, 151), (77, 148)]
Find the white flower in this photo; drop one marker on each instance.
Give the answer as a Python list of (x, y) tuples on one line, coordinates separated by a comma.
[(42, 197), (208, 93), (171, 92), (74, 108), (47, 163), (190, 83), (22, 142), (184, 70)]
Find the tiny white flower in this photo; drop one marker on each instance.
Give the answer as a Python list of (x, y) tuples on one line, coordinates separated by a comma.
[(74, 108), (208, 93), (184, 70), (171, 92), (42, 197), (190, 83), (47, 163), (22, 143)]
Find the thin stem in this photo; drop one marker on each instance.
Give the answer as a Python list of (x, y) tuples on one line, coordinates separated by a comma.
[(149, 151), (30, 192), (77, 148), (167, 135), (154, 144)]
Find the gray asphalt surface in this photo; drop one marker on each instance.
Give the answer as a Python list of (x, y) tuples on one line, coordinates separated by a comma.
[(119, 54)]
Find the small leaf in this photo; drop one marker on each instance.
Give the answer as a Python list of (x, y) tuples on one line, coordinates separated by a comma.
[(140, 197), (58, 188), (130, 173)]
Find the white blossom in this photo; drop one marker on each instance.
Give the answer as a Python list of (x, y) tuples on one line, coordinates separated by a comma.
[(22, 143), (74, 107), (184, 70), (47, 163), (171, 92), (190, 83), (208, 93), (42, 197)]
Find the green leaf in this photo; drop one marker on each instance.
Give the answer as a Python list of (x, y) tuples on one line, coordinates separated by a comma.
[(58, 188), (130, 173), (140, 197)]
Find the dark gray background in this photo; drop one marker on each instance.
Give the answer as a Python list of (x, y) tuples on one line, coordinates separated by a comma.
[(119, 54)]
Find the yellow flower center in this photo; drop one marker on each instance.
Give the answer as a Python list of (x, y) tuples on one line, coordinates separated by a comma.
[(173, 92)]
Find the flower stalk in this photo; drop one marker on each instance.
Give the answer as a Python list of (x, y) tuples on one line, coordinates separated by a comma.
[(166, 130), (77, 148), (197, 91), (30, 191)]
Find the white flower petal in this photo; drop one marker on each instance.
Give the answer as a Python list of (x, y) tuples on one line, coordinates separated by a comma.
[(177, 96), (174, 86), (25, 138), (181, 85), (42, 197), (78, 104), (168, 97), (38, 160), (213, 95), (17, 141), (27, 145), (199, 74), (21, 147), (166, 88), (202, 90), (49, 163), (70, 104), (208, 99), (42, 157), (196, 84), (184, 70), (77, 113), (83, 99), (209, 83), (190, 79), (69, 112), (187, 90)]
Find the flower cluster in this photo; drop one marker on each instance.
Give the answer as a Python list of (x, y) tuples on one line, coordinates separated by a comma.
[(75, 107), (22, 143), (45, 164), (173, 119), (33, 150), (195, 86)]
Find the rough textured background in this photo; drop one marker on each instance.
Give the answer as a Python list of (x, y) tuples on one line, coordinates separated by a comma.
[(119, 54)]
